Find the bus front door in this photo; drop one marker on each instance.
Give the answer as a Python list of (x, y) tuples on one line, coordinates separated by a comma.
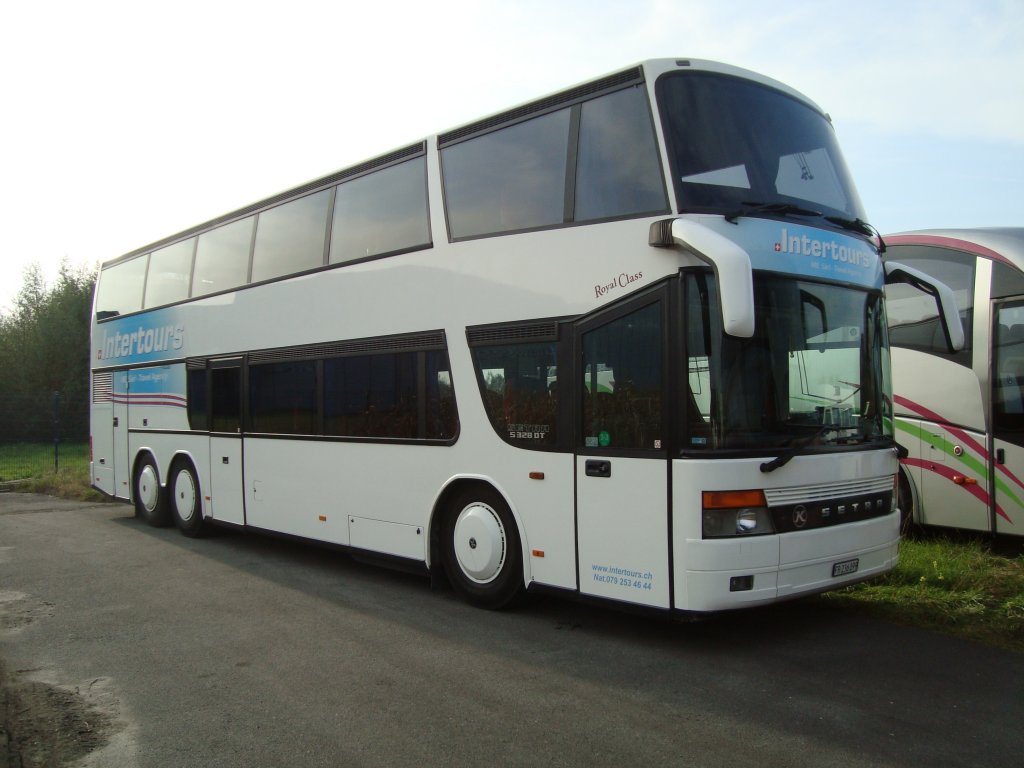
[(622, 502), (1007, 464)]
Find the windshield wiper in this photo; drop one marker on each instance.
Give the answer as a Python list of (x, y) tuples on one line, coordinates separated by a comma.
[(786, 209), (859, 226), (784, 458)]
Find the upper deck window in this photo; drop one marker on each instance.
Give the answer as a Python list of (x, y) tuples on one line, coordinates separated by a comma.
[(222, 258), (120, 287), (733, 143), (593, 160), (169, 271), (383, 212), (290, 238), (511, 179), (618, 171)]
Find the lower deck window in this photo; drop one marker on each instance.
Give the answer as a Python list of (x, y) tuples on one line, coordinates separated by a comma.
[(390, 395), (519, 386)]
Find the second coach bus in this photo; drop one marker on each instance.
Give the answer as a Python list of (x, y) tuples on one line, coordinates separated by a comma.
[(626, 341), (961, 414)]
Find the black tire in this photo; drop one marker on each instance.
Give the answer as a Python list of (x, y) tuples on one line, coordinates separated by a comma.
[(480, 548), (150, 497), (905, 502), (186, 500)]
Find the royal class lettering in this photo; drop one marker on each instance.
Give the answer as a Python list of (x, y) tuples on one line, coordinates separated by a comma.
[(621, 281), (142, 341), (804, 245)]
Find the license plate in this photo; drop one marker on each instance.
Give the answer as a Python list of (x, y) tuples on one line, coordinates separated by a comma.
[(845, 567)]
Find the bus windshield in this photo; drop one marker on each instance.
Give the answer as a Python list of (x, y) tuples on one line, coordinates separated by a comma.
[(735, 144), (814, 374)]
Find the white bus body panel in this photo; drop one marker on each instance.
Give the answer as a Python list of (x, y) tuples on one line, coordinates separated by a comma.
[(783, 565), (122, 465), (623, 542), (358, 494), (947, 460), (223, 498), (1009, 491), (101, 467)]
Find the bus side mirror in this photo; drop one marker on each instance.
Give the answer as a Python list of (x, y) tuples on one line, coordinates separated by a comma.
[(735, 277), (949, 315)]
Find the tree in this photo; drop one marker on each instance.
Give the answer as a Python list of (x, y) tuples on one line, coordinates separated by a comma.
[(44, 349)]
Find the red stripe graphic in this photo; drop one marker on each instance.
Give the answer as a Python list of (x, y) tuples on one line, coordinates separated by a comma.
[(155, 398), (963, 437), (975, 490)]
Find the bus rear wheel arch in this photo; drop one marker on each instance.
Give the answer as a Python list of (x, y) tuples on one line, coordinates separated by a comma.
[(186, 498), (480, 547), (149, 496)]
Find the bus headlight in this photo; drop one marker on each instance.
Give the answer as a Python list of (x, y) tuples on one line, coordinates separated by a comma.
[(735, 513)]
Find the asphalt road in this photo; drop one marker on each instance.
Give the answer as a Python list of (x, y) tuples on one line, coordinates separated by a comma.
[(242, 650)]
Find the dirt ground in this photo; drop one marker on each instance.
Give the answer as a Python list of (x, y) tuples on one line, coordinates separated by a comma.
[(43, 725), (46, 726)]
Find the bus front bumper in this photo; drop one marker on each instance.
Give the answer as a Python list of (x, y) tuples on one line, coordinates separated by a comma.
[(737, 573)]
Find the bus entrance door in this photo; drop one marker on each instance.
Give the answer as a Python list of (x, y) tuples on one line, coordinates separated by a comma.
[(225, 495), (622, 503), (1007, 465)]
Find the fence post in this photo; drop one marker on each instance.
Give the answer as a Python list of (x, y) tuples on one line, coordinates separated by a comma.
[(56, 432)]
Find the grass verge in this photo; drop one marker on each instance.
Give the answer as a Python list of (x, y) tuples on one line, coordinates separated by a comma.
[(21, 461), (30, 468), (954, 584)]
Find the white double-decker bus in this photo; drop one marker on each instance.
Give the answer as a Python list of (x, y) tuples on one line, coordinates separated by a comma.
[(961, 414), (626, 342)]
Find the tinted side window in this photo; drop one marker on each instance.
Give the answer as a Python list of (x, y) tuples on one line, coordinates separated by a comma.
[(1008, 373), (290, 238), (392, 410), (1006, 280), (519, 387), (198, 399), (222, 258), (282, 398), (618, 170), (226, 400), (406, 395), (440, 420), (913, 315), (622, 382), (120, 288), (170, 268), (511, 179), (383, 212)]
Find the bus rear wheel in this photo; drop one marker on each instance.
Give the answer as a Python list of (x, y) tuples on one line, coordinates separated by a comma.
[(150, 497), (481, 551), (186, 501)]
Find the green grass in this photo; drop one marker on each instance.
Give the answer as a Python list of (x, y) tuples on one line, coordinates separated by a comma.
[(957, 585), (30, 467), (21, 461)]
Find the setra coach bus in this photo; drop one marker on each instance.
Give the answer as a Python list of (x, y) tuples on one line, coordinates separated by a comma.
[(624, 342)]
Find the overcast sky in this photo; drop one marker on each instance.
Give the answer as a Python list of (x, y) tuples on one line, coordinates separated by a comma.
[(124, 122)]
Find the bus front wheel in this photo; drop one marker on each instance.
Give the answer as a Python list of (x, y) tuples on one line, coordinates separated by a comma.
[(186, 502), (905, 501), (150, 498), (481, 551)]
